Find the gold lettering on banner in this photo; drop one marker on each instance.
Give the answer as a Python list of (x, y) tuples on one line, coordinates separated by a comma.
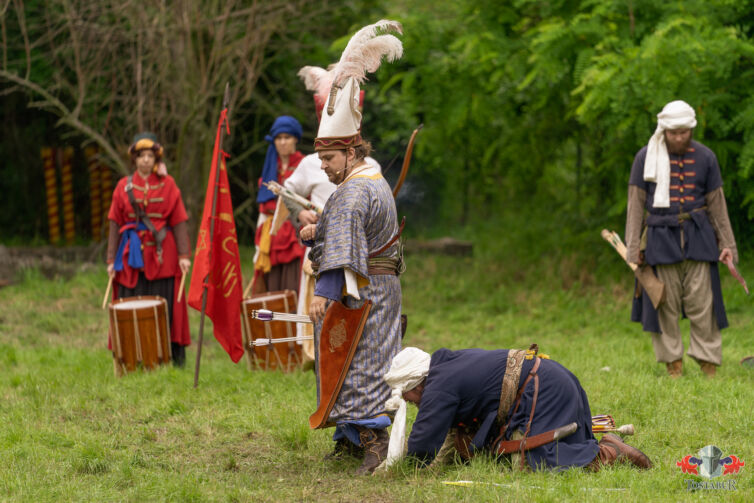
[(226, 217), (230, 279), (202, 240), (338, 335), (225, 246)]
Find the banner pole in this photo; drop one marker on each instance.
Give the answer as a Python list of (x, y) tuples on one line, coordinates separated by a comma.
[(226, 99)]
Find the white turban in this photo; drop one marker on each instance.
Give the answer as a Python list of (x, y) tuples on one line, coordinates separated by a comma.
[(676, 115), (408, 369)]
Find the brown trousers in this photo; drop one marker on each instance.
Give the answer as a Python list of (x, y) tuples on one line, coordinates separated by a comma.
[(688, 288), (283, 276)]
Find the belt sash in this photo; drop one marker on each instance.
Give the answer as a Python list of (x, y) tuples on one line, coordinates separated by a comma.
[(130, 234)]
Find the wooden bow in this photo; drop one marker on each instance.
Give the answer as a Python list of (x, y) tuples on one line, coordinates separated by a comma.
[(406, 160)]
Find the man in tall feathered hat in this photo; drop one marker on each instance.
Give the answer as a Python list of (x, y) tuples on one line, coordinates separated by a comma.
[(310, 182), (356, 253)]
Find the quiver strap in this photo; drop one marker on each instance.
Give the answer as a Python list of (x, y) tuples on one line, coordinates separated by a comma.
[(339, 337), (510, 383), (141, 215), (395, 237)]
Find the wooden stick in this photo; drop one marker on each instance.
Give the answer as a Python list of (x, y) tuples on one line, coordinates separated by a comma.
[(250, 288), (226, 102), (180, 288), (654, 288), (107, 292)]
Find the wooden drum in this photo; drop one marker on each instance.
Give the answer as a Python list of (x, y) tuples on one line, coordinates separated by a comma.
[(284, 356), (140, 332)]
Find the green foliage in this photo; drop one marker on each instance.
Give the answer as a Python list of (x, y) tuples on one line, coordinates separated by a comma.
[(547, 102)]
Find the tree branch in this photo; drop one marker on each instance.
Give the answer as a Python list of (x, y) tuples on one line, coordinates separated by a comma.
[(66, 117)]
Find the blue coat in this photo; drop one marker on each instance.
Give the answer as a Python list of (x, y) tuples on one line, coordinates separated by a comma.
[(692, 176), (464, 387)]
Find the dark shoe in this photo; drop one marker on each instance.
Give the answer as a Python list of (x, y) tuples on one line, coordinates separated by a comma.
[(626, 452), (675, 369), (179, 355), (375, 444), (344, 447), (708, 368)]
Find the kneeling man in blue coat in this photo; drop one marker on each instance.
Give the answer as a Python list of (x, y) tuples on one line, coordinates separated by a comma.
[(508, 402)]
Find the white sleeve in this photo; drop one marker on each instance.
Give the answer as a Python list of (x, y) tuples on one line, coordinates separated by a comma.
[(300, 181), (352, 288), (260, 222)]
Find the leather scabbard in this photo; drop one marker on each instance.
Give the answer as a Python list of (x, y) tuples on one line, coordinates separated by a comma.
[(340, 334), (509, 446)]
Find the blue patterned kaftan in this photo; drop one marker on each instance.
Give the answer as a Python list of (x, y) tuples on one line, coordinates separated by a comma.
[(358, 219)]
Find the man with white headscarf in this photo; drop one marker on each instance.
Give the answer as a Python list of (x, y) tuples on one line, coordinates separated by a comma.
[(472, 399), (677, 221)]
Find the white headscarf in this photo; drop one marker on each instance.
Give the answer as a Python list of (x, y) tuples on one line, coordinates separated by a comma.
[(408, 369), (675, 115)]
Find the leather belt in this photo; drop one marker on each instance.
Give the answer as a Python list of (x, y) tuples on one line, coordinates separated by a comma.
[(376, 271)]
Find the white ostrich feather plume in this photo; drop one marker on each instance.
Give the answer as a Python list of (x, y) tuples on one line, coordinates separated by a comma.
[(365, 51), (316, 79)]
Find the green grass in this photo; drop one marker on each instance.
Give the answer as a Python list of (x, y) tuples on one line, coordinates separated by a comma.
[(70, 431)]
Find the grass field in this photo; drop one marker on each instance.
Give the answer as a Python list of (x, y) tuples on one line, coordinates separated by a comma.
[(69, 431)]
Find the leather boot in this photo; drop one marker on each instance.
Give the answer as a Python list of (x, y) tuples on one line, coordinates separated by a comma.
[(375, 444), (607, 455), (344, 447), (708, 368), (626, 453), (675, 369)]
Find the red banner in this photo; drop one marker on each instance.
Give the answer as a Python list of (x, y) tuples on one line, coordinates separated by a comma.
[(217, 258)]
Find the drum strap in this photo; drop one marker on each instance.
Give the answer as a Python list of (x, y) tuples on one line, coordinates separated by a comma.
[(141, 215)]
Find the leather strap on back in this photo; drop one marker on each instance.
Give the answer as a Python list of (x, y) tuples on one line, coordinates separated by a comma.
[(392, 240)]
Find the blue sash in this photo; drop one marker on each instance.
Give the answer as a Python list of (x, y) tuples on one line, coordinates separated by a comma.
[(130, 233)]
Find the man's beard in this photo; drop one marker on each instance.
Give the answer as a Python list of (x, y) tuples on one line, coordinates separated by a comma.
[(679, 149)]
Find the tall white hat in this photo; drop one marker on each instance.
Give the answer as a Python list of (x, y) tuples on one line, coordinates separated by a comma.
[(340, 126), (318, 80)]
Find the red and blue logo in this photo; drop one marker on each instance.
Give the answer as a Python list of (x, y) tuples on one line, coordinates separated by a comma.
[(710, 463)]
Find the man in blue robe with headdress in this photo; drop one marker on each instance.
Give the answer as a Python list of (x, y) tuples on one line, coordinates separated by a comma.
[(356, 253)]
